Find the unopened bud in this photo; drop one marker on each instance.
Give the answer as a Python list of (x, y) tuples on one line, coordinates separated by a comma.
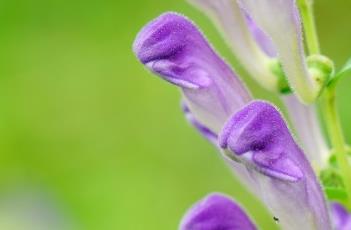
[(320, 68)]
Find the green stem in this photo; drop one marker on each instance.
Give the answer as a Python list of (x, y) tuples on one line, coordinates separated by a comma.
[(331, 116), (306, 11), (337, 140)]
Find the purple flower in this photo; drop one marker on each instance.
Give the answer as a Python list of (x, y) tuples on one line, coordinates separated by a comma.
[(257, 32), (258, 137), (252, 135), (216, 212), (172, 47)]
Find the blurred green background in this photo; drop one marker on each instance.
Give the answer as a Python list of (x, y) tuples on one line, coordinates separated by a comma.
[(92, 139)]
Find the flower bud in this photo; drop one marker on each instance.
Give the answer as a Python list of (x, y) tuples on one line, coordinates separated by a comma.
[(320, 68)]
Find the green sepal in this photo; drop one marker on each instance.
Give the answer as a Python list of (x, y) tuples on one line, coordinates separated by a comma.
[(320, 68), (276, 68)]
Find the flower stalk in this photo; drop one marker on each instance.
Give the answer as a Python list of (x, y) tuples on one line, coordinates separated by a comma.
[(306, 11), (331, 116), (337, 140)]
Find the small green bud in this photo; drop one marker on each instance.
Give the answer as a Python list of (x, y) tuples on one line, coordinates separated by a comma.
[(321, 69), (282, 83)]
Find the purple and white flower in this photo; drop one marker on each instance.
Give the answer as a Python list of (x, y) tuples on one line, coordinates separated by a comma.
[(258, 54), (251, 135)]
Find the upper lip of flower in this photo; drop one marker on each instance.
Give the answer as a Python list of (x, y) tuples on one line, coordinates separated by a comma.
[(207, 82), (257, 135), (216, 211)]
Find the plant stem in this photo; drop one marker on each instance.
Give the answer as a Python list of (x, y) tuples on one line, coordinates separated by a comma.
[(330, 111), (306, 10), (337, 140)]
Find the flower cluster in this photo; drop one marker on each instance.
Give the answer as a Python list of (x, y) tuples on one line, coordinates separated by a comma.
[(252, 136)]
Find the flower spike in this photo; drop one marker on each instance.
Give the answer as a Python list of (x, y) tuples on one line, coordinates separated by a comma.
[(254, 139), (258, 137), (216, 211), (230, 19), (172, 47)]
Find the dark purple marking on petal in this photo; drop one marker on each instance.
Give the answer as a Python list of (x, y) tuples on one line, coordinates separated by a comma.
[(216, 212)]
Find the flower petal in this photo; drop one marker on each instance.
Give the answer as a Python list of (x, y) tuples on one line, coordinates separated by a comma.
[(258, 137), (216, 211), (206, 132), (341, 218), (235, 27), (261, 38), (172, 47), (280, 20), (305, 120)]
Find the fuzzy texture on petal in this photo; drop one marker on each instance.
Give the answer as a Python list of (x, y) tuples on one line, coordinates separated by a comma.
[(216, 212), (173, 47), (257, 136), (341, 218), (280, 20), (247, 41), (309, 133)]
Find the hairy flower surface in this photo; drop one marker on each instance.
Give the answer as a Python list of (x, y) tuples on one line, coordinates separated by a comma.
[(216, 211), (251, 135), (172, 47), (258, 137), (257, 53)]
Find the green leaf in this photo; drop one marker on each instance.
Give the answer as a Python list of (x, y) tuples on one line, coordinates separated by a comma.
[(346, 69)]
